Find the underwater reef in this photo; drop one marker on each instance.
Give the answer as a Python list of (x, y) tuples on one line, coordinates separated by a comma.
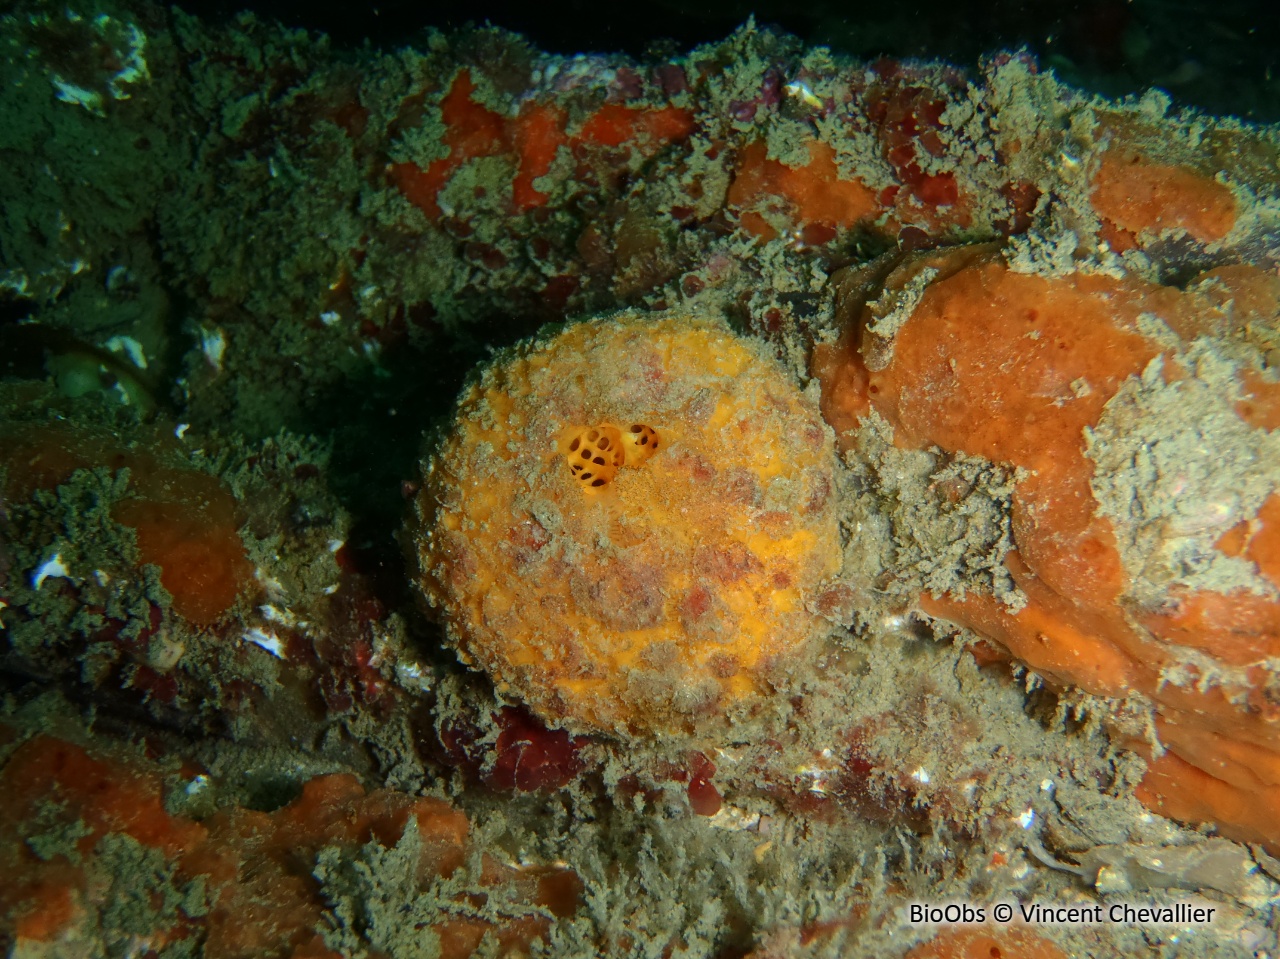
[(464, 500)]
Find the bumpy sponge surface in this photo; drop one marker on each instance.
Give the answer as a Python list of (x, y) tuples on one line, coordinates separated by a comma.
[(672, 595)]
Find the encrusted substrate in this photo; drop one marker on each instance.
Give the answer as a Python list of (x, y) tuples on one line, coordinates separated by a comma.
[(1138, 418), (255, 270), (107, 852)]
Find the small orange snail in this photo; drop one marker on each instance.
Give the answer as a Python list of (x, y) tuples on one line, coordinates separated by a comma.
[(640, 442), (596, 453)]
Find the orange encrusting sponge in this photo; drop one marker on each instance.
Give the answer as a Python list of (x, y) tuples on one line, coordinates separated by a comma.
[(1142, 572), (259, 903), (664, 580)]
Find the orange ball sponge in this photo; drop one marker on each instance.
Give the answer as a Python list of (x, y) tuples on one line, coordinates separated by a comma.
[(678, 588)]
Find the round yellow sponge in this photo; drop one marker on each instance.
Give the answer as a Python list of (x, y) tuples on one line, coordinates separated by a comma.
[(672, 587)]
